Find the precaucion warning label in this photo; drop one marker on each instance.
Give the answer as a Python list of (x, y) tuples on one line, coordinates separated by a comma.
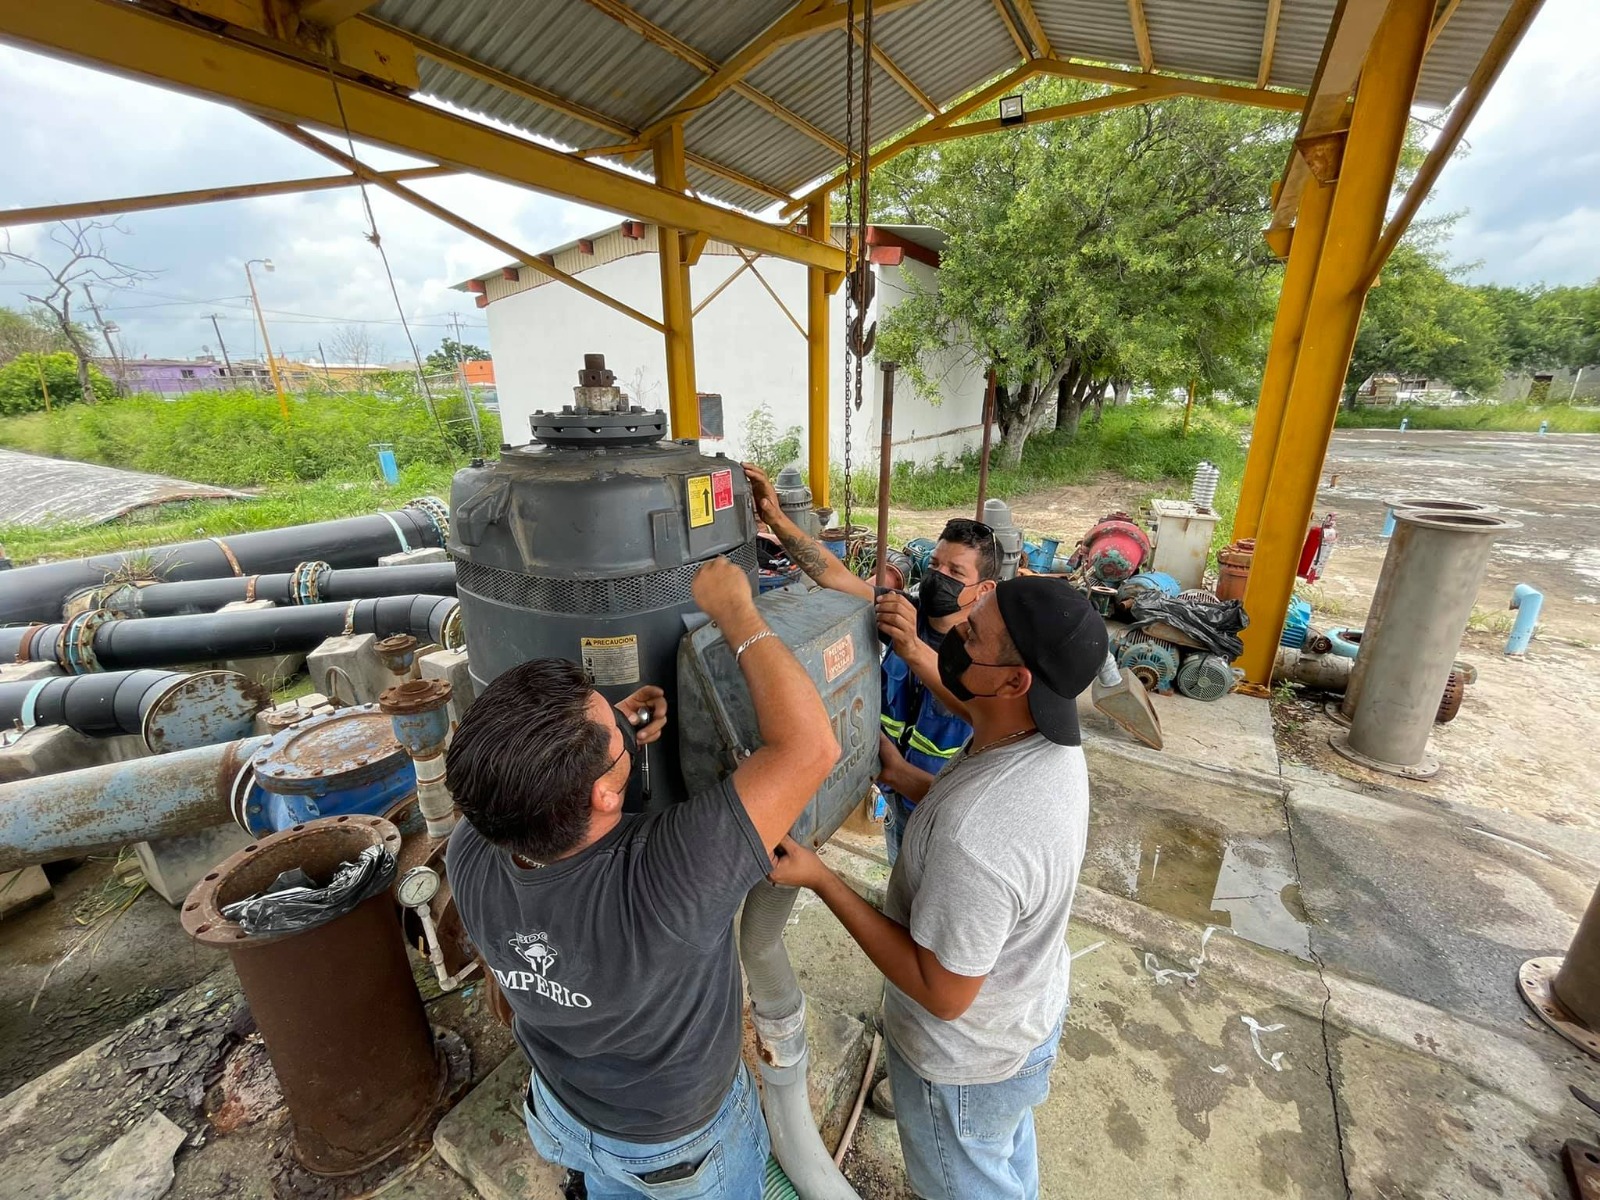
[(700, 509), (611, 660)]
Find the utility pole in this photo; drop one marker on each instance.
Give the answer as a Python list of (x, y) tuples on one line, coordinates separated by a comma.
[(105, 332), (223, 346), (272, 366)]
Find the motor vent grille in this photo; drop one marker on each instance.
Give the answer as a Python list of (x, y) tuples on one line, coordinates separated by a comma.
[(632, 593)]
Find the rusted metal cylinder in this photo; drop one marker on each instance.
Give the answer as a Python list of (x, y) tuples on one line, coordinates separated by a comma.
[(399, 655), (1577, 983), (336, 1005), (420, 710)]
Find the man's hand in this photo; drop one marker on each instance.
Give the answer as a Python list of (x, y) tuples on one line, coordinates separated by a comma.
[(764, 494), (647, 699), (797, 865), (891, 763), (722, 591), (897, 620)]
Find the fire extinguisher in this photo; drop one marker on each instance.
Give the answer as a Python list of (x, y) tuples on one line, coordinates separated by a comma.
[(1318, 549)]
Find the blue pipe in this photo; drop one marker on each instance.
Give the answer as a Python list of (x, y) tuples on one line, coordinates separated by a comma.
[(1526, 601), (1405, 423), (67, 815), (1544, 428), (1388, 523)]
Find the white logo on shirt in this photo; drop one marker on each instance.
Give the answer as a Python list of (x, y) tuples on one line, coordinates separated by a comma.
[(535, 949)]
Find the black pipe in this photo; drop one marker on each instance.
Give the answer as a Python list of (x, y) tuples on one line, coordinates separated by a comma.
[(97, 641), (97, 705), (36, 593), (300, 586)]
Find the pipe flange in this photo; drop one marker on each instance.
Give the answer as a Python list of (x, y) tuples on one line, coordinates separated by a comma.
[(1455, 688), (202, 709), (415, 696), (452, 631), (438, 514), (75, 646), (1424, 768), (398, 652), (304, 586), (1536, 982)]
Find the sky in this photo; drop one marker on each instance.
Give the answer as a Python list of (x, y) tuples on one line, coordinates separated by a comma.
[(1528, 186)]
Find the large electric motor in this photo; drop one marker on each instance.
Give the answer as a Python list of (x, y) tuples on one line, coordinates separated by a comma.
[(584, 544)]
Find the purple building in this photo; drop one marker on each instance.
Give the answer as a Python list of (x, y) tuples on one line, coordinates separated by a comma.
[(179, 376)]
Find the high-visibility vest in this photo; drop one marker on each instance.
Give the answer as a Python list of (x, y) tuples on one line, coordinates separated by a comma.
[(928, 733)]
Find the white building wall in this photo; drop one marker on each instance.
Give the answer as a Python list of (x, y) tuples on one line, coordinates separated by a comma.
[(746, 350)]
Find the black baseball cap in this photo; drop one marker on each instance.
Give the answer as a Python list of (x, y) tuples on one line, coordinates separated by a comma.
[(1061, 640)]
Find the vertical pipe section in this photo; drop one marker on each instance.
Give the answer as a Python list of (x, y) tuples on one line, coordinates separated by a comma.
[(983, 454), (885, 469), (1305, 253), (420, 711), (676, 313), (1526, 602), (336, 1004), (1577, 983), (1431, 574), (1355, 221), (817, 322)]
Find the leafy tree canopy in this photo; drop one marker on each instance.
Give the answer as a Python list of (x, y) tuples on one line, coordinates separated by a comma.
[(452, 353), (24, 380)]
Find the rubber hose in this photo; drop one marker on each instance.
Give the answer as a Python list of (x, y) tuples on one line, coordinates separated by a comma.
[(776, 998)]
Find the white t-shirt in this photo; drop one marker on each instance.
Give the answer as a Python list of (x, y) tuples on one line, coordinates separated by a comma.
[(985, 879)]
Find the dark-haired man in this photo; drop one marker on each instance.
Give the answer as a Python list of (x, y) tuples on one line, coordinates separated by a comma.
[(610, 934), (924, 721), (972, 934)]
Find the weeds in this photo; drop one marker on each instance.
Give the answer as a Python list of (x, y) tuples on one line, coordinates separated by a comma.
[(1504, 418)]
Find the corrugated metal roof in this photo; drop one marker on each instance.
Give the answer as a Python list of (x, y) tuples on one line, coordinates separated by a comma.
[(946, 47)]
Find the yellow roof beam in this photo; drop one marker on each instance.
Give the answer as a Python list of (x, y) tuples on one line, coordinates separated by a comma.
[(1061, 112), (1041, 42), (1204, 88), (246, 191), (1269, 42), (1515, 23), (123, 38), (892, 69), (1141, 35), (1350, 37), (681, 49), (507, 82), (328, 13), (1011, 27)]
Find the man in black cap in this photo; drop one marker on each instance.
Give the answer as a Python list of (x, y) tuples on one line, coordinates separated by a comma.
[(972, 935)]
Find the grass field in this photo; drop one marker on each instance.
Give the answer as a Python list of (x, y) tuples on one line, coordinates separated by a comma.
[(1489, 418)]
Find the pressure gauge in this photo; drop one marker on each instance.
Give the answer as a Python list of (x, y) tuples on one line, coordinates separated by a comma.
[(418, 886)]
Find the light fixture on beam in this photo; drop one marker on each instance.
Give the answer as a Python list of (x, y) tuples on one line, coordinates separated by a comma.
[(1011, 110)]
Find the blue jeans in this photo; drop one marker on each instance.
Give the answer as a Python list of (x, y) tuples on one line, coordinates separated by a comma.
[(726, 1158), (963, 1142), (894, 825)]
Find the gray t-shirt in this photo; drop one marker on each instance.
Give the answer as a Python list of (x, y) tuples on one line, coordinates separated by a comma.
[(985, 879), (619, 962)]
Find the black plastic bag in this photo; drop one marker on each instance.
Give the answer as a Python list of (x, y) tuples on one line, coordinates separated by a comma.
[(295, 903), (1214, 625)]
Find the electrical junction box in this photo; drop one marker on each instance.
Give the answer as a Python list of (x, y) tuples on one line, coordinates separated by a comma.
[(1181, 536), (836, 640)]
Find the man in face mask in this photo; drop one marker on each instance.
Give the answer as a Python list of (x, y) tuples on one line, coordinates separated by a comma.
[(922, 721), (971, 938)]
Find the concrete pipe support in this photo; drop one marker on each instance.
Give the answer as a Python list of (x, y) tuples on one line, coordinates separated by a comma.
[(1425, 594)]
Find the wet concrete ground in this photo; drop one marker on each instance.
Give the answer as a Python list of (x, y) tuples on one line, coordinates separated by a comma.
[(1548, 484)]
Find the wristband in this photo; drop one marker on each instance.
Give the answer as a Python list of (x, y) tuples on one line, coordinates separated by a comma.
[(748, 642)]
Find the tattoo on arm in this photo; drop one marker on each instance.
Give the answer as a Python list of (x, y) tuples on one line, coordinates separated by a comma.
[(807, 555)]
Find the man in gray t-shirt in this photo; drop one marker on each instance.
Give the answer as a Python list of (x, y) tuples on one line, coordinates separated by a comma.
[(972, 936)]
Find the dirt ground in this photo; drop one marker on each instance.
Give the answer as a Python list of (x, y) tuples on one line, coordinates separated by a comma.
[(1518, 744)]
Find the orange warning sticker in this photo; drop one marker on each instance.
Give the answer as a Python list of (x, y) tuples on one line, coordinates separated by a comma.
[(836, 659)]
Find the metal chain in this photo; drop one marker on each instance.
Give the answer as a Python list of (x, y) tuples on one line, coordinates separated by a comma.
[(849, 217)]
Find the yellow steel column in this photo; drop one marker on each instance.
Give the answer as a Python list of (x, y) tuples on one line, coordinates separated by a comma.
[(819, 407), (1305, 252), (676, 310), (1355, 222)]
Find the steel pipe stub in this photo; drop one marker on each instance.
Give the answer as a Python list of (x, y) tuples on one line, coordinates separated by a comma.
[(363, 1075), (1536, 982)]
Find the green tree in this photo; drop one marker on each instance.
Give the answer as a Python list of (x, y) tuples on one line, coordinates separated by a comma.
[(24, 379), (27, 332), (452, 354), (1422, 321), (1547, 328), (1120, 247)]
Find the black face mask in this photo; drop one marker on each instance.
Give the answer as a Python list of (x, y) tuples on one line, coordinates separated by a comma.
[(939, 596), (954, 661)]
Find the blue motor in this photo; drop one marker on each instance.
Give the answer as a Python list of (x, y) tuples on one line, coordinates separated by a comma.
[(340, 763), (1158, 582), (1152, 660), (1296, 625)]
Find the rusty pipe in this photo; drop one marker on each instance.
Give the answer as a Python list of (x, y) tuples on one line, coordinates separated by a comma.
[(336, 1004), (885, 468), (420, 712), (74, 813), (983, 455)]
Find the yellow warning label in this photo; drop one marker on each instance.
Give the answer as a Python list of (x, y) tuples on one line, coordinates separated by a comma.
[(611, 660), (700, 509)]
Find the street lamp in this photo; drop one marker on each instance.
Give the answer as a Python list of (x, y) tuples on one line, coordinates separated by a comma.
[(272, 366)]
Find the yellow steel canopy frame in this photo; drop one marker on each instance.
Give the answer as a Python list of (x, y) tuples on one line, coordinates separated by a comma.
[(1327, 215)]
